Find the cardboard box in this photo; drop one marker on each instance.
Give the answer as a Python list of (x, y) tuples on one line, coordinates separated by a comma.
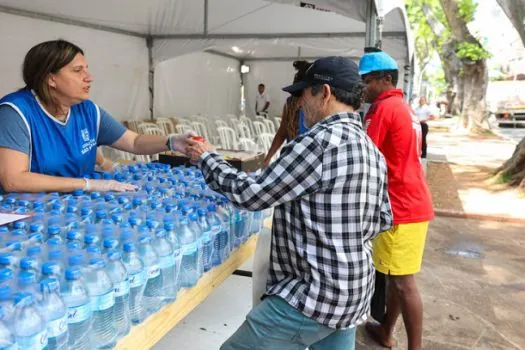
[(241, 160)]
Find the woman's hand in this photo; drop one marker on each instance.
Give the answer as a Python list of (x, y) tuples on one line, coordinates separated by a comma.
[(197, 148)]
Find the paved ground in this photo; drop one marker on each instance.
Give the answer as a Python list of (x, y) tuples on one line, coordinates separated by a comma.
[(516, 134), (472, 284)]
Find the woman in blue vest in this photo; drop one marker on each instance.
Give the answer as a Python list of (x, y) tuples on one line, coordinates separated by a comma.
[(50, 130), (292, 119)]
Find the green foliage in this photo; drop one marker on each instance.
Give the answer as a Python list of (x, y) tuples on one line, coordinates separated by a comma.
[(437, 80), (467, 9), (471, 51)]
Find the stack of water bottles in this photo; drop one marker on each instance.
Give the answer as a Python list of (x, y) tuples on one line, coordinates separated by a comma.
[(85, 267)]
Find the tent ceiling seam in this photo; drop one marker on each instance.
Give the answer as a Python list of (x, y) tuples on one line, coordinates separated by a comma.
[(391, 35)]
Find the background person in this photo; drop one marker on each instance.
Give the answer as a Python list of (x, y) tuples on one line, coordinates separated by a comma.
[(292, 119), (328, 188), (50, 130), (397, 252), (424, 113), (262, 101)]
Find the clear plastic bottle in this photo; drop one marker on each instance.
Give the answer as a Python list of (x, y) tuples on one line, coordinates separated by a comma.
[(102, 293), (53, 269), (7, 339), (206, 238), (31, 264), (220, 236), (137, 280), (6, 302), (54, 310), (152, 292), (167, 266), (27, 283), (29, 327), (119, 276), (189, 269), (76, 297)]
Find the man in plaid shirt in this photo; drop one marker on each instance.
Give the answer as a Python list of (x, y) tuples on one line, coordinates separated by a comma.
[(329, 191)]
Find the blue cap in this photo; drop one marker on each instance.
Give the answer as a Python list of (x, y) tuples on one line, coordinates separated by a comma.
[(96, 176), (124, 225), (86, 211), (18, 233), (129, 247), (75, 260), (20, 225), (336, 71), (4, 229), (90, 239), (201, 212), (212, 207), (144, 239), (14, 244), (51, 268), (193, 217), (26, 278), (74, 235), (36, 227), (73, 273), (114, 255), (57, 206), (97, 263), (54, 241), (71, 209), (78, 193), (55, 254), (95, 195), (53, 230), (6, 275), (93, 249), (48, 284), (23, 203), (5, 292), (32, 251), (110, 243), (376, 62), (73, 245), (28, 263), (24, 299), (169, 225), (109, 197), (100, 214), (152, 224), (134, 220)]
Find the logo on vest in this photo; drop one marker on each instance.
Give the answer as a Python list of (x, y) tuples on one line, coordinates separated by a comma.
[(88, 143)]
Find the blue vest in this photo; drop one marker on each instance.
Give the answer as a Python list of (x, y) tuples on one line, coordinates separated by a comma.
[(57, 148)]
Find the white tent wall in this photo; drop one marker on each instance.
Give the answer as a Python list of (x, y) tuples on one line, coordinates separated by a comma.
[(119, 63), (197, 83)]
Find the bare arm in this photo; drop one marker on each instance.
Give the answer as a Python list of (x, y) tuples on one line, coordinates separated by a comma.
[(132, 142), (279, 138), (16, 177), (266, 106), (103, 163)]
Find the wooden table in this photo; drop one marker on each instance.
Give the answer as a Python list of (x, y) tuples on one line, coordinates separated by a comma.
[(149, 332)]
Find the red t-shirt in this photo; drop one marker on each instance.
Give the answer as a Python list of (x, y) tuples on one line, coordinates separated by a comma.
[(394, 128)]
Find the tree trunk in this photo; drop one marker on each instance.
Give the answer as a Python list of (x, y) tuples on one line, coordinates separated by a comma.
[(515, 11), (513, 170), (474, 75), (452, 69)]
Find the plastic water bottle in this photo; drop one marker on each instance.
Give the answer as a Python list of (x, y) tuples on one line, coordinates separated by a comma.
[(220, 236), (6, 302), (137, 280), (171, 236), (29, 327), (31, 264), (167, 266), (189, 269), (102, 292), (55, 311), (207, 240), (79, 316), (7, 339), (27, 283), (10, 261), (119, 276), (53, 231), (152, 292), (110, 244), (53, 270)]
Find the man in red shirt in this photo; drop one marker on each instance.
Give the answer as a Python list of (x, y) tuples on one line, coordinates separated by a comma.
[(398, 253)]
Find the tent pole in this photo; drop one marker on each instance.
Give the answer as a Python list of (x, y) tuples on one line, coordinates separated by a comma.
[(370, 31), (243, 96), (205, 17), (151, 77)]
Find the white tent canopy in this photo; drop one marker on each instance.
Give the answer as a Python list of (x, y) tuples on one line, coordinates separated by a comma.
[(127, 40)]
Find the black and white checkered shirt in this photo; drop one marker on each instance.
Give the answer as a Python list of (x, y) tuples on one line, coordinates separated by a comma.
[(329, 190)]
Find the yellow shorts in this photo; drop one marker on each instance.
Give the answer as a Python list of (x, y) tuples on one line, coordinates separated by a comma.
[(399, 252)]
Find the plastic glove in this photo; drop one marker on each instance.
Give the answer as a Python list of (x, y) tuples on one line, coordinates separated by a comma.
[(179, 143), (108, 185)]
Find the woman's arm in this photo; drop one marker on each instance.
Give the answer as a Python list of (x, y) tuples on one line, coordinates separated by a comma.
[(132, 142), (279, 138), (16, 177), (103, 163)]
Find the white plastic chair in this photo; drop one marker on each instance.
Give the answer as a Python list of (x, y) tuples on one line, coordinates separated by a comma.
[(228, 138), (182, 121), (260, 128), (201, 129), (183, 128), (166, 125), (142, 125), (248, 122), (277, 121), (152, 130), (247, 145), (265, 141), (270, 127), (221, 124), (244, 131)]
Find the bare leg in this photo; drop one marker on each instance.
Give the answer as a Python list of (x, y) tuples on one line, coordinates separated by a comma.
[(411, 307)]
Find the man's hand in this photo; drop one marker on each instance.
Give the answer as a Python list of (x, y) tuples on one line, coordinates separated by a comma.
[(108, 185), (179, 143), (197, 148)]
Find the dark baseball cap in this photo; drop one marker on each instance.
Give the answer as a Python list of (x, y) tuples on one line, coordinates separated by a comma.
[(338, 72)]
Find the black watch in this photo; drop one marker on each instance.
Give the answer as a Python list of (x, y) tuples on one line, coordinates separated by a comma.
[(168, 144)]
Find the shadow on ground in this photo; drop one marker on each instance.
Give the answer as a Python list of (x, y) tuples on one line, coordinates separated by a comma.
[(473, 287)]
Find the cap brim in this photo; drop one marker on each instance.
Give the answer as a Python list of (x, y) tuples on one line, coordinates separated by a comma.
[(297, 87)]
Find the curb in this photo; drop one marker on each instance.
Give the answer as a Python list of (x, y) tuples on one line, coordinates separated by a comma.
[(474, 216)]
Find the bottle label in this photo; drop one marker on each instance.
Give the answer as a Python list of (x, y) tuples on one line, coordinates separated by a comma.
[(57, 327), (103, 302), (122, 288), (36, 342), (153, 271), (189, 249), (137, 279), (206, 236), (79, 313), (216, 229), (166, 261)]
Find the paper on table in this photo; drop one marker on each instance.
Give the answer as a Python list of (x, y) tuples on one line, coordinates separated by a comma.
[(8, 218)]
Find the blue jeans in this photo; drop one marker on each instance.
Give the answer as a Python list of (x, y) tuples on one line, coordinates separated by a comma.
[(275, 325)]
